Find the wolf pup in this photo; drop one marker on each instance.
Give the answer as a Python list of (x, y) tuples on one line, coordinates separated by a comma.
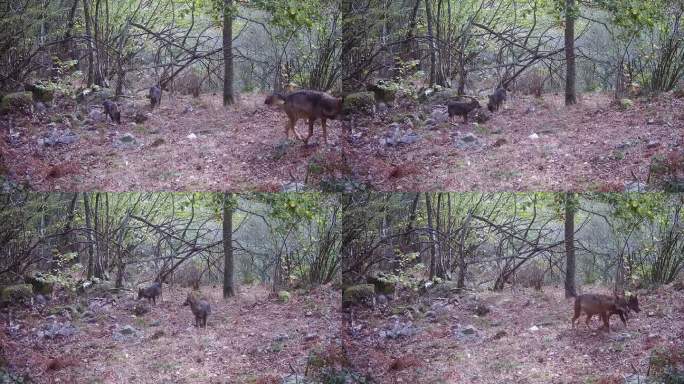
[(200, 308), (155, 96), (459, 108), (306, 104), (496, 99), (112, 110), (151, 292)]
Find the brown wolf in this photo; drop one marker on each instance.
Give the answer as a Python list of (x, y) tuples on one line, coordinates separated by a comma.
[(604, 306), (307, 104), (200, 308)]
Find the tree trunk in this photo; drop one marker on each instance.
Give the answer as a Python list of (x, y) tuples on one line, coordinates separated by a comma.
[(431, 43), (433, 253), (570, 202), (89, 44), (228, 284), (570, 77), (89, 236), (228, 97)]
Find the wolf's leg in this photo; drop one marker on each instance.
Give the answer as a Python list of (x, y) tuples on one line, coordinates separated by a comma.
[(325, 131)]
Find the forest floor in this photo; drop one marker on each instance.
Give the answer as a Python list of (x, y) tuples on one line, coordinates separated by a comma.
[(525, 338), (196, 144), (248, 339)]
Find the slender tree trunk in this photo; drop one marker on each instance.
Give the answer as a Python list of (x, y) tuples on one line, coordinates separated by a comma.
[(433, 250), (431, 43), (89, 44), (571, 75), (89, 235), (570, 208), (228, 284), (228, 97)]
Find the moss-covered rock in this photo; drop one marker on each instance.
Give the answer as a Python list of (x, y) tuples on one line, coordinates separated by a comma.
[(101, 288), (444, 289), (442, 96), (626, 104), (41, 92), (95, 95), (18, 101), (383, 284), (17, 293), (360, 102), (283, 296), (40, 283), (362, 294), (384, 91)]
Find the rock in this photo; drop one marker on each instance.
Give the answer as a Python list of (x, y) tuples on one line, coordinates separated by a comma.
[(283, 296), (96, 116), (626, 104), (443, 96), (192, 136), (468, 330), (158, 142), (281, 337), (635, 186), (533, 328), (293, 187), (140, 118), (382, 283), (158, 334), (362, 294), (530, 109), (40, 283), (500, 142), (59, 138), (188, 109), (18, 293), (95, 95), (155, 323), (310, 337), (619, 337), (360, 102), (126, 140), (399, 330), (384, 91), (481, 310), (381, 299), (125, 333), (444, 288), (40, 107), (41, 92), (55, 329), (533, 136), (141, 308), (468, 141), (408, 138), (439, 116), (39, 300), (653, 144), (500, 335), (382, 108), (102, 288), (16, 102), (636, 379), (296, 379)]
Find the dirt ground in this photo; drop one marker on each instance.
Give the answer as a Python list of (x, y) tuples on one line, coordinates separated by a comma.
[(249, 339), (525, 338), (196, 144)]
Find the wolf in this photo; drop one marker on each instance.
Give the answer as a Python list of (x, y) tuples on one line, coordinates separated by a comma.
[(307, 104)]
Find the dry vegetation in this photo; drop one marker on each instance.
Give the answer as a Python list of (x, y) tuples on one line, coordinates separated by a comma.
[(525, 338), (250, 339), (592, 146)]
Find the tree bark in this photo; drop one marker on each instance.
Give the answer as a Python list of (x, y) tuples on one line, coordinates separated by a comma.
[(228, 284), (433, 253), (89, 236), (570, 244), (570, 76), (228, 97), (431, 42), (89, 45)]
